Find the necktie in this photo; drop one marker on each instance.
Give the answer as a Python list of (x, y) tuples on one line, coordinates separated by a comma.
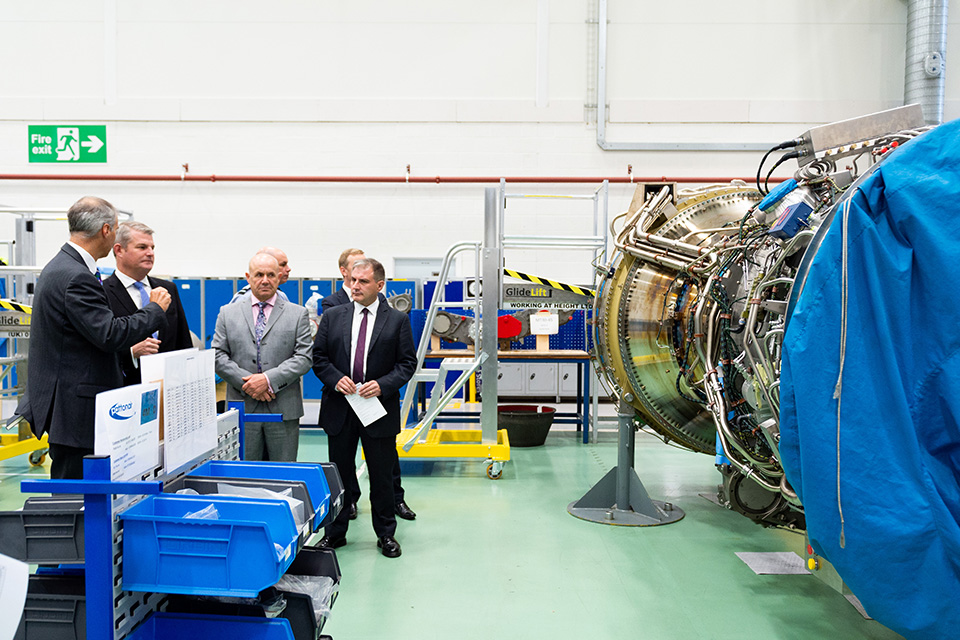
[(258, 332), (361, 347), (144, 298), (99, 279)]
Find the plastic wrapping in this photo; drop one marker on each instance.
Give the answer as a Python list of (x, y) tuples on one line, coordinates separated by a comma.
[(208, 513), (296, 506), (321, 590)]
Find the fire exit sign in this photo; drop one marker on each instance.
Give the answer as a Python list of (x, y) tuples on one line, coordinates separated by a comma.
[(67, 143)]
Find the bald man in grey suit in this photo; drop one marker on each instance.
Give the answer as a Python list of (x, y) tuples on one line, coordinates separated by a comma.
[(263, 348)]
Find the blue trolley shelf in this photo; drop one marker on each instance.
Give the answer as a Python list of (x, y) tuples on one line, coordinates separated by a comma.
[(311, 474), (183, 626), (235, 555)]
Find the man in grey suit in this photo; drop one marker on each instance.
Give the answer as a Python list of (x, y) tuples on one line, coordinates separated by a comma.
[(263, 348), (75, 338)]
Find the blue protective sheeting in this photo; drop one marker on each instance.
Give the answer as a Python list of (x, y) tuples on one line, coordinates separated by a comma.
[(899, 452)]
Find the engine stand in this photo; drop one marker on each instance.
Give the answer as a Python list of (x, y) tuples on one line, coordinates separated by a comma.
[(619, 498)]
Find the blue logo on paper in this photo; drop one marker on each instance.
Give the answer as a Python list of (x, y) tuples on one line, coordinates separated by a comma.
[(122, 411)]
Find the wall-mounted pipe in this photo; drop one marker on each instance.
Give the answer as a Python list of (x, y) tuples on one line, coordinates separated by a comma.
[(925, 69), (93, 177), (646, 146)]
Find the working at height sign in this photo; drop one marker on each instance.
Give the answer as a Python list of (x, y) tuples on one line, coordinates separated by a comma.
[(67, 143)]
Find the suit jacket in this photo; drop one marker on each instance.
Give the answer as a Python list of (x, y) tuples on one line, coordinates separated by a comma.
[(342, 297), (335, 299), (391, 361), (284, 354), (74, 340), (174, 334)]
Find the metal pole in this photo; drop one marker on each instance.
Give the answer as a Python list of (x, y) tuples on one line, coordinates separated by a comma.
[(490, 295)]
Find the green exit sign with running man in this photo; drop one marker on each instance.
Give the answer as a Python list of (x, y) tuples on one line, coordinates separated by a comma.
[(67, 143)]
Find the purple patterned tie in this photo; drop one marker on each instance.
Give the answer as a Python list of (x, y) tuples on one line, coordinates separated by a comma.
[(361, 347), (258, 330)]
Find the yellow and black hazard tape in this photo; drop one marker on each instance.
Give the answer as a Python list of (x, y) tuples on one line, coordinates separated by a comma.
[(10, 305), (580, 291)]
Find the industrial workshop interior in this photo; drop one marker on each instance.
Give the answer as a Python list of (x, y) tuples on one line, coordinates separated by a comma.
[(427, 320)]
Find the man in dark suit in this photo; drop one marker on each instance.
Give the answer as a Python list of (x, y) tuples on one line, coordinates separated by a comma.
[(342, 296), (347, 259), (75, 337), (128, 290), (364, 348)]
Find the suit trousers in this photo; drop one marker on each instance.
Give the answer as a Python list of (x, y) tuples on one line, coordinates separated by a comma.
[(66, 463), (273, 441), (352, 491), (381, 455)]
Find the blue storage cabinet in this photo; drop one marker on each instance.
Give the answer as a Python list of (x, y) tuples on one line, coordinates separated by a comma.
[(216, 293), (323, 287), (312, 387), (291, 288), (401, 286), (191, 297), (247, 549)]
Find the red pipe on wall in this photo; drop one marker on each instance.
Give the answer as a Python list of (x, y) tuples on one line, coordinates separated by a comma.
[(370, 179)]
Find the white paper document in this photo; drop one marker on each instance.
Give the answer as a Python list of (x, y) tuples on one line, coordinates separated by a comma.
[(127, 428), (367, 409), (189, 407), (14, 576), (151, 367)]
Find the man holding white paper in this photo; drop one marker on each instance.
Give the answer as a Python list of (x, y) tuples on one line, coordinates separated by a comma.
[(364, 349)]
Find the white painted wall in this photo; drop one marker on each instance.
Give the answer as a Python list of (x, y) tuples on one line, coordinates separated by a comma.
[(367, 87)]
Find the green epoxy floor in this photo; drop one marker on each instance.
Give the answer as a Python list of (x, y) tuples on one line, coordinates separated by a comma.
[(503, 559)]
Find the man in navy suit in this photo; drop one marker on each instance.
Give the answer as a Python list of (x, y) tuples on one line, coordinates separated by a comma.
[(365, 348), (75, 337), (128, 289), (342, 296)]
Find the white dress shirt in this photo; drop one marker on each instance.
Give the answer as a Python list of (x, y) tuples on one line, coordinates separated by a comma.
[(127, 283), (87, 258), (355, 332)]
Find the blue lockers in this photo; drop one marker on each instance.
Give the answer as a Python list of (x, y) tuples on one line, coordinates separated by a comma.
[(312, 386), (217, 292)]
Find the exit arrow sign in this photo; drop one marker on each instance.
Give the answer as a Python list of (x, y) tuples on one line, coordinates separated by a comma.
[(67, 143)]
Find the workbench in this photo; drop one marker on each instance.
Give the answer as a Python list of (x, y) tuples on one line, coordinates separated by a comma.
[(581, 417)]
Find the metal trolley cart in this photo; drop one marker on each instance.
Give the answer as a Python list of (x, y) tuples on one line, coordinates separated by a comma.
[(124, 559)]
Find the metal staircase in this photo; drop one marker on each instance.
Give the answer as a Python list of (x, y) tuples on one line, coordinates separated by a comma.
[(440, 395)]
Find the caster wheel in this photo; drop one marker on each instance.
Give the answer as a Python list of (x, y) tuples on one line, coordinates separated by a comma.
[(494, 470), (37, 457)]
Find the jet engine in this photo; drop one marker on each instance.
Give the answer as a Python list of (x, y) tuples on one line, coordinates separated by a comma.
[(692, 307)]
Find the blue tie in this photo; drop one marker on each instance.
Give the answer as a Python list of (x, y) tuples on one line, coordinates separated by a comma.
[(99, 279), (258, 330), (144, 299)]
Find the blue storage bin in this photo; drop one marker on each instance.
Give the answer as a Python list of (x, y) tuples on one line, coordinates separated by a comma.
[(186, 626), (234, 555), (311, 474)]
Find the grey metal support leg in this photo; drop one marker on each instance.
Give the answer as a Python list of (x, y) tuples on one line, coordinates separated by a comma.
[(620, 498)]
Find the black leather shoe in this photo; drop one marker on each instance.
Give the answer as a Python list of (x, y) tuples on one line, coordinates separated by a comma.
[(389, 546), (332, 543), (405, 512), (352, 511)]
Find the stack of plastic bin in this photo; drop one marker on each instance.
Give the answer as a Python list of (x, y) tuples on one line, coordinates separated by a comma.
[(245, 550), (49, 532)]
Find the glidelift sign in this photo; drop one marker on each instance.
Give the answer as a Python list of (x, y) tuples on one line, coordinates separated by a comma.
[(67, 143)]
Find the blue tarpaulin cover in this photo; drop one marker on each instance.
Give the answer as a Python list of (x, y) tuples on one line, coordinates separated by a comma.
[(899, 439)]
